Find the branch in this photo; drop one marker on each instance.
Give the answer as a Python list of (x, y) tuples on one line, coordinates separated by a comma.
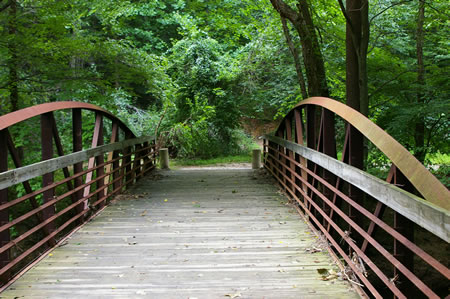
[(374, 44), (285, 10), (437, 10), (386, 83), (387, 8), (5, 6), (295, 55), (430, 134), (347, 17), (159, 124)]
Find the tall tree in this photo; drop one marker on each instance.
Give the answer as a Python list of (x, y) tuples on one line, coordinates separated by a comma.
[(356, 13), (312, 56), (419, 133), (296, 56), (13, 78)]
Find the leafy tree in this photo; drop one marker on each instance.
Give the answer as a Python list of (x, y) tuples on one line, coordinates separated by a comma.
[(201, 70)]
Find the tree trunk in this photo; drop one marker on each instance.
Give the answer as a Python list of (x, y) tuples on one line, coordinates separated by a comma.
[(362, 58), (312, 57), (419, 134), (356, 13), (294, 52), (13, 78)]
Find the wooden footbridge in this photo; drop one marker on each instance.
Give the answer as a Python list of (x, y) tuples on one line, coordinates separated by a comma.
[(103, 222)]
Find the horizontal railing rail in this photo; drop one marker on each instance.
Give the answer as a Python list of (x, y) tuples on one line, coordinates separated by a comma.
[(25, 173), (428, 215), (391, 241)]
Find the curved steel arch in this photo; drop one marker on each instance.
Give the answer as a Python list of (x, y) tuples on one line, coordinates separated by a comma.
[(15, 117), (425, 182)]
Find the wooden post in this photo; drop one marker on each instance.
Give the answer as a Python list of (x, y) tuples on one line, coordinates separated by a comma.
[(164, 158), (256, 159)]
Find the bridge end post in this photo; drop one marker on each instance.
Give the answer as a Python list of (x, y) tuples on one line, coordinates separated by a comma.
[(256, 159), (164, 158)]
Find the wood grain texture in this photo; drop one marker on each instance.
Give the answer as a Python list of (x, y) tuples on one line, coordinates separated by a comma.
[(188, 234)]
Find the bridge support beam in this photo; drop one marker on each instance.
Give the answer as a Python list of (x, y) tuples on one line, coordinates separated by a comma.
[(48, 178)]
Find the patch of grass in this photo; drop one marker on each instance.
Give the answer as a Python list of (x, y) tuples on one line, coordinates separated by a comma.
[(214, 161), (438, 158)]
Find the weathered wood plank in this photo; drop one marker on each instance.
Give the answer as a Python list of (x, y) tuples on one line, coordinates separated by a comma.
[(189, 234)]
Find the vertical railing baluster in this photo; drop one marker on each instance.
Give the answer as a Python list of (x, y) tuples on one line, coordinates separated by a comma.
[(280, 149), (299, 140), (18, 163), (48, 178), (115, 167), (310, 140), (128, 169), (98, 129), (145, 159), (77, 145), (356, 156), (60, 152), (288, 125), (99, 160), (137, 161), (111, 155), (4, 214), (337, 201), (405, 227), (329, 148)]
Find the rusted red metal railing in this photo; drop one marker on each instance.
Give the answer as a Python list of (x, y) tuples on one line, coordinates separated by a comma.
[(56, 208), (369, 223)]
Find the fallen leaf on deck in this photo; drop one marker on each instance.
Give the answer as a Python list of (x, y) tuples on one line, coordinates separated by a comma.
[(233, 295), (322, 271)]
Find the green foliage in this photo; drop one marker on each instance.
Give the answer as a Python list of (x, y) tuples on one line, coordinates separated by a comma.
[(205, 112), (198, 68), (244, 158)]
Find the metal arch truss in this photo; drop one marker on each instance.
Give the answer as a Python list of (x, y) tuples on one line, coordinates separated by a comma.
[(90, 178), (347, 206)]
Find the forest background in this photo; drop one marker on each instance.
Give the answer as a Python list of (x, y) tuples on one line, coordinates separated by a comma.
[(206, 74)]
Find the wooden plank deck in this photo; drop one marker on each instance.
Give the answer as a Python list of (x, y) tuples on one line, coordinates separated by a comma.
[(190, 233)]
